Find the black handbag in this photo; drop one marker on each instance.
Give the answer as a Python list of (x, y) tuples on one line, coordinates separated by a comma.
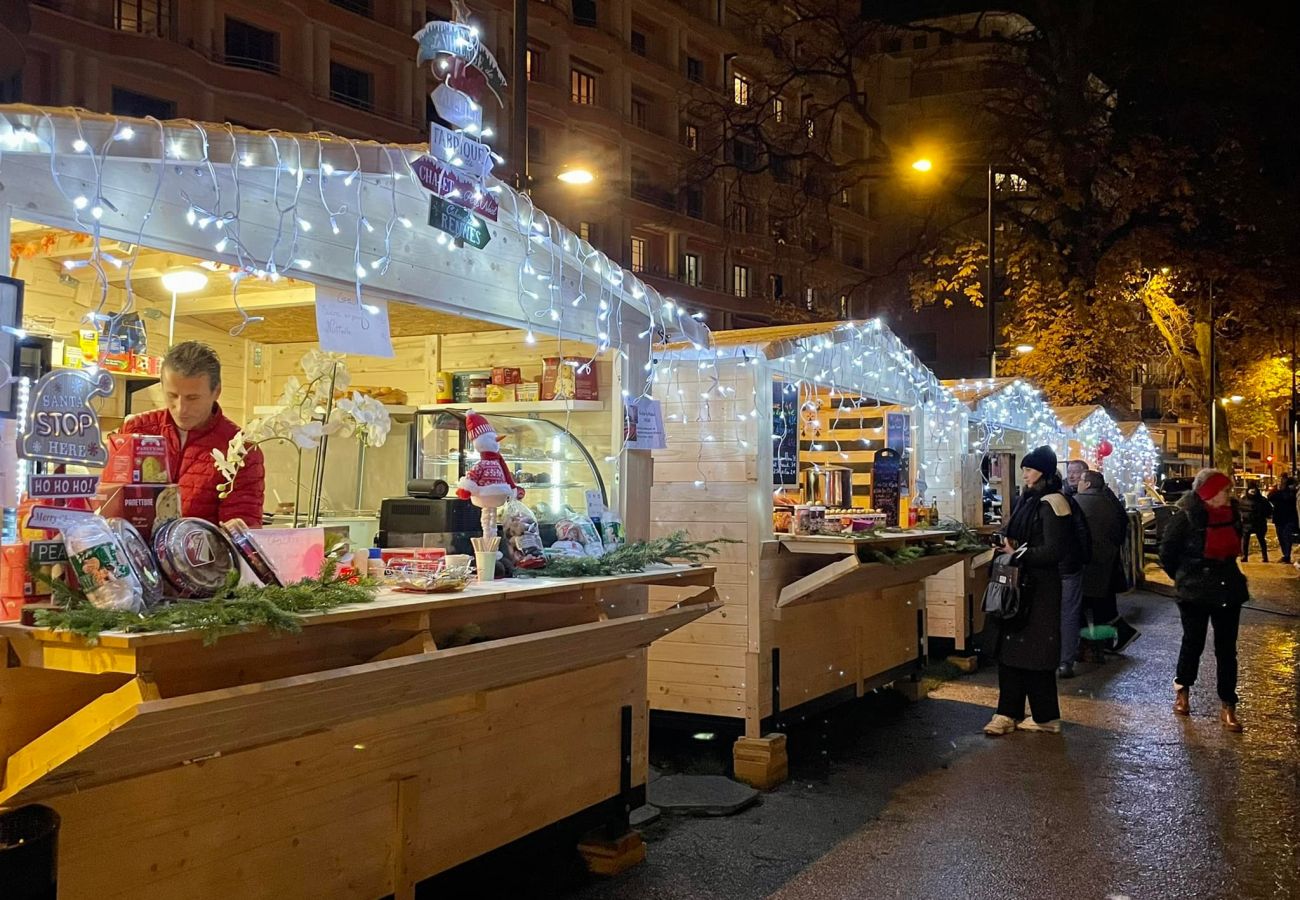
[(1007, 597)]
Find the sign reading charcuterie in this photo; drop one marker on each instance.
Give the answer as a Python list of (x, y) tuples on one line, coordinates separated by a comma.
[(61, 425), (61, 487)]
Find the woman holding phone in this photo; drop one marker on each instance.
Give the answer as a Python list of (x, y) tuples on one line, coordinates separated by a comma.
[(1040, 530)]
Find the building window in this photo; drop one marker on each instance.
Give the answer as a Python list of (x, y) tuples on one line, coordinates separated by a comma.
[(740, 218), (740, 90), (360, 7), (776, 286), (845, 197), (584, 13), (778, 109), (945, 38), (694, 70), (152, 17), (894, 45), (583, 87), (250, 47), (844, 306), (691, 269), (351, 86), (139, 106), (638, 43), (918, 42), (810, 127), (533, 64), (694, 202), (691, 136), (780, 169), (639, 111), (743, 154), (11, 88), (810, 298), (585, 231), (740, 281), (638, 254), (536, 144)]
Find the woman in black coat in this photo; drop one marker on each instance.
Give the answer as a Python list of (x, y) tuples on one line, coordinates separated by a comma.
[(1028, 655), (1199, 552)]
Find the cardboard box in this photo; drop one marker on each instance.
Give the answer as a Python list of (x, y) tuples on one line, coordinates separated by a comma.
[(72, 358), (11, 609), (116, 362), (144, 364), (88, 343), (564, 379), (145, 506), (15, 582), (136, 459), (528, 392), (502, 375), (501, 393)]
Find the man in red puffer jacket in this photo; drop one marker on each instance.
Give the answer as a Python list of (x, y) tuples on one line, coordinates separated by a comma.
[(193, 425)]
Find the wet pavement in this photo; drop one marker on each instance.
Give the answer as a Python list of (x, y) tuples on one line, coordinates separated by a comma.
[(888, 799)]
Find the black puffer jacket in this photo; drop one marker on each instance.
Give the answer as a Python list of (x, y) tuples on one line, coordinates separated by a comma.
[(1046, 530), (1205, 582)]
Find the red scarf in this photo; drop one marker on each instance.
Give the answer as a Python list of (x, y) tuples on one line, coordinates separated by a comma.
[(1221, 539)]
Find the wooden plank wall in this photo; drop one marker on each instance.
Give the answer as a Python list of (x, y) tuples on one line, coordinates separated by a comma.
[(705, 667), (52, 307)]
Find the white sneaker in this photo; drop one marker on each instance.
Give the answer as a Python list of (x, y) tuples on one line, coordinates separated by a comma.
[(1000, 724), (1052, 727)]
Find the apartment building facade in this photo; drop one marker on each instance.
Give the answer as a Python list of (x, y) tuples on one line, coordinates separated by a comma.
[(613, 85)]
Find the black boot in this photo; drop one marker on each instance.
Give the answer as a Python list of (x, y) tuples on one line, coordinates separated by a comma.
[(1125, 634)]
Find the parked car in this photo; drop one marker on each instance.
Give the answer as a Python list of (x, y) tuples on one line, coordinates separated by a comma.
[(1154, 521), (1171, 489)]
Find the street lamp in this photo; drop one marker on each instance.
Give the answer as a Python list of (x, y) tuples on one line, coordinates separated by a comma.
[(576, 175), (1022, 349), (923, 165)]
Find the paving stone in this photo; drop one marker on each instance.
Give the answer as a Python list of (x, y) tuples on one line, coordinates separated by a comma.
[(700, 795)]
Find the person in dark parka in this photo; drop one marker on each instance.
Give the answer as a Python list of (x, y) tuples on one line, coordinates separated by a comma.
[(1255, 512), (1199, 552), (1028, 656)]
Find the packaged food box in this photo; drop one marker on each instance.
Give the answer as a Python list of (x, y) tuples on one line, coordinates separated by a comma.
[(140, 363), (136, 459), (506, 375), (501, 393), (72, 358), (146, 506), (15, 582), (116, 362), (528, 392), (11, 609), (570, 378), (88, 343)]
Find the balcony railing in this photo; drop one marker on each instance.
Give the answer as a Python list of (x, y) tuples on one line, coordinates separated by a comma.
[(271, 66)]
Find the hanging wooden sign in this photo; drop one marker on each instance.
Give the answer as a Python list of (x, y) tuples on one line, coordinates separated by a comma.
[(460, 152), (62, 487), (449, 184), (458, 222), (457, 108), (61, 425), (461, 41)]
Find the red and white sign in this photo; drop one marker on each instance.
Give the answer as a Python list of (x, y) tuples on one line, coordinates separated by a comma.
[(61, 487), (451, 185)]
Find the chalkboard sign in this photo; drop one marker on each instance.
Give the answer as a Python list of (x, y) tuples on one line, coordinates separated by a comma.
[(885, 487), (785, 433), (898, 436)]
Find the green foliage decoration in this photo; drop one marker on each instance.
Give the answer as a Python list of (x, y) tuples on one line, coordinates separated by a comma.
[(631, 557)]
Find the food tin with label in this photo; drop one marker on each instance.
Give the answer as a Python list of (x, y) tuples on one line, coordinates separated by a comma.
[(140, 558), (240, 535), (195, 557)]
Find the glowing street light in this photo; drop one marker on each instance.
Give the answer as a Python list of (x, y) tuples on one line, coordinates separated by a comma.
[(1022, 349), (576, 175), (923, 165)]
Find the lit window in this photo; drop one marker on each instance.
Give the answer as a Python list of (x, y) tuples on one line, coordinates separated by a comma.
[(811, 127), (691, 269), (778, 109), (776, 286), (809, 297), (740, 218), (691, 137), (639, 114), (740, 90), (638, 254), (583, 87), (153, 17), (533, 64), (584, 231), (740, 281)]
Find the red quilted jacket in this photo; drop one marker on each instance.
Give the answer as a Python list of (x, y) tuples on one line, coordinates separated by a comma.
[(194, 470)]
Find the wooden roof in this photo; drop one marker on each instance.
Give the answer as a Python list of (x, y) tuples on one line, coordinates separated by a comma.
[(1074, 416)]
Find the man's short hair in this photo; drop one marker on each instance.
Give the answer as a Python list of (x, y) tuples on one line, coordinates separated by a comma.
[(193, 358), (1077, 462), (1094, 480)]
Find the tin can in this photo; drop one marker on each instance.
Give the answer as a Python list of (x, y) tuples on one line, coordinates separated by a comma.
[(240, 536), (801, 520), (444, 388), (195, 557), (140, 558)]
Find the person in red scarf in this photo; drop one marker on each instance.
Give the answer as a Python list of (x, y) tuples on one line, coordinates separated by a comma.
[(1199, 552)]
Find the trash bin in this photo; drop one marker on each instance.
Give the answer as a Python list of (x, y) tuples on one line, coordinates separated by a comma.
[(29, 853)]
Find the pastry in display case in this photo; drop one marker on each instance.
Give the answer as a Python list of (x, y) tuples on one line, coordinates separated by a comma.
[(552, 466)]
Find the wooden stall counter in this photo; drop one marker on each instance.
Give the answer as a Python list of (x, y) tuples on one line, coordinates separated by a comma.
[(380, 745)]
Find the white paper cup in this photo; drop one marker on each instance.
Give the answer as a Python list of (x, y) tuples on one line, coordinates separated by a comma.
[(457, 560), (486, 563)]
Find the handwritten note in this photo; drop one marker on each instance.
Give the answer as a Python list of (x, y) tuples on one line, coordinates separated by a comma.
[(344, 326)]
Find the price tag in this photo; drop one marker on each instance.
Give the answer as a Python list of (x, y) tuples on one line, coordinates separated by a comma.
[(61, 487), (595, 505)]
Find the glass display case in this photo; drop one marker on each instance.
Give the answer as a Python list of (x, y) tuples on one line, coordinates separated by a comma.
[(548, 462)]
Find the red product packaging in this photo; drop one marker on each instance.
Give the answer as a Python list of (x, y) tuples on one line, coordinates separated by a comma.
[(15, 583), (140, 363), (570, 378), (136, 459), (503, 375), (115, 362), (146, 506), (11, 609)]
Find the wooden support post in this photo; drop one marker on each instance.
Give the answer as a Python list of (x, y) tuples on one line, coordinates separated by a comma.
[(761, 762), (912, 690), (407, 823), (605, 856)]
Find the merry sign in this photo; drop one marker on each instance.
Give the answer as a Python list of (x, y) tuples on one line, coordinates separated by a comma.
[(61, 426)]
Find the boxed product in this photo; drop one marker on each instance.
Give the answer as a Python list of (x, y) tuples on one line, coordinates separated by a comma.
[(528, 392), (501, 393), (88, 343), (506, 375), (15, 582), (72, 357), (145, 506), (116, 362), (11, 609), (136, 459), (144, 364), (570, 378)]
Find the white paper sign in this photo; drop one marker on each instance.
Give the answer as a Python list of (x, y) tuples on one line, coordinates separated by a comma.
[(344, 326), (643, 424), (595, 505)]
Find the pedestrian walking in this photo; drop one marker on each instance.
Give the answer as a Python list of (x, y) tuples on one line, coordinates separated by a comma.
[(1199, 552), (1040, 530), (1286, 517), (1108, 527), (1078, 552), (1255, 513)]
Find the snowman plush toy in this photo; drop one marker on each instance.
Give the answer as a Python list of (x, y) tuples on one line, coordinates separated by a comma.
[(488, 484)]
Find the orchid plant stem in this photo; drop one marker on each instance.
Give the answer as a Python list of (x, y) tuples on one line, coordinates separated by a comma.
[(319, 480)]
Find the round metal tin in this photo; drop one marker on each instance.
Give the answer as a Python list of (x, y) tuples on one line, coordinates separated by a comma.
[(194, 556), (140, 558)]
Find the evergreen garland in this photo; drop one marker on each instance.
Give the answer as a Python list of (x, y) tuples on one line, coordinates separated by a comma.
[(233, 609), (626, 559)]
